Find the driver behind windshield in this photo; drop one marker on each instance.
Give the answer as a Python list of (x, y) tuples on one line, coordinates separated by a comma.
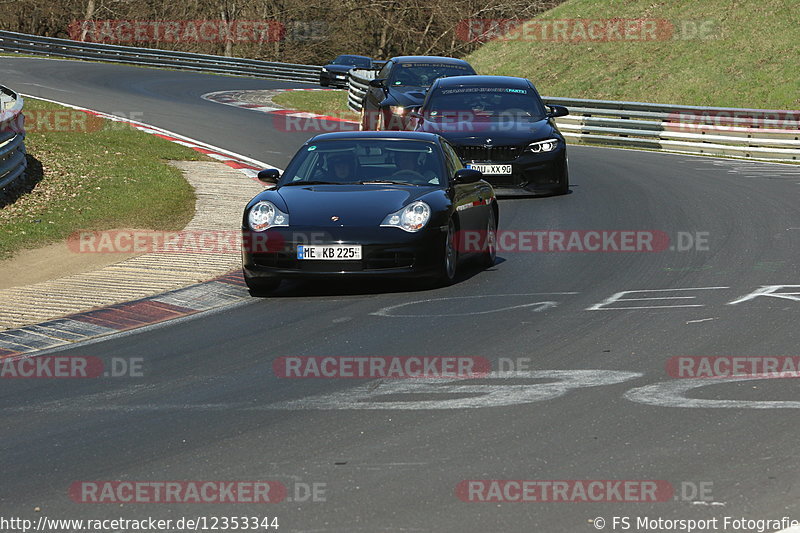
[(409, 168), (342, 166)]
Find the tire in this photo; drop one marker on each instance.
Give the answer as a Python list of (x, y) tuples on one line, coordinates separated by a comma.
[(449, 262), (563, 184), (489, 255), (259, 286)]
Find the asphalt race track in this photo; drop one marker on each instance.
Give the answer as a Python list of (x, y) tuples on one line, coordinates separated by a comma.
[(210, 408)]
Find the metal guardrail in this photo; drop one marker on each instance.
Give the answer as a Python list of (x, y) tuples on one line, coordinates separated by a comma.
[(357, 85), (12, 137), (48, 46), (748, 133)]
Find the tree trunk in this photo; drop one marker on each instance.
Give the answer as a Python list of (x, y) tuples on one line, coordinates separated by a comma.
[(90, 7)]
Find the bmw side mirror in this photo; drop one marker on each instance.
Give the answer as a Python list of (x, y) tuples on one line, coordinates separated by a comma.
[(269, 176), (558, 111), (378, 83), (467, 175), (414, 111)]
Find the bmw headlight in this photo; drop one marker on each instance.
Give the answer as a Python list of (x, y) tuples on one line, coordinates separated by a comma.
[(264, 215), (411, 218), (397, 110), (543, 146)]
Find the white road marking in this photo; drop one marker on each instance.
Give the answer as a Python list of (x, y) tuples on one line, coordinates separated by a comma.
[(46, 87), (701, 320), (157, 130), (673, 394), (618, 298), (474, 393), (772, 292), (539, 306)]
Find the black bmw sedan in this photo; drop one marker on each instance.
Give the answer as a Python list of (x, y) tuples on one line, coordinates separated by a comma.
[(335, 72), (401, 83), (500, 126), (368, 204)]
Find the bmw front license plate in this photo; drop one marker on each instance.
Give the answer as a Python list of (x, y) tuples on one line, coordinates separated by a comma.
[(330, 252), (491, 170)]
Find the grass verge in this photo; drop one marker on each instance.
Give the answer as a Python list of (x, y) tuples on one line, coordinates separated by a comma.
[(731, 53), (91, 174), (332, 103)]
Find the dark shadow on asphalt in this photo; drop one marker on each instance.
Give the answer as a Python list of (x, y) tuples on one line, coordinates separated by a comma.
[(501, 196), (360, 287)]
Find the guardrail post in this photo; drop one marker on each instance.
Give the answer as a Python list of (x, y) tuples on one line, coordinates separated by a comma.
[(12, 136)]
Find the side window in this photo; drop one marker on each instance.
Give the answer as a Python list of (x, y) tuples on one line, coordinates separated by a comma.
[(384, 72), (453, 161)]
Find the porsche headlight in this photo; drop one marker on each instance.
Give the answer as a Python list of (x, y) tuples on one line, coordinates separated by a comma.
[(325, 70), (543, 146), (411, 218), (264, 215)]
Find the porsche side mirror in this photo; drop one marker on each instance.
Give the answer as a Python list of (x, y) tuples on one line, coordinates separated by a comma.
[(269, 176), (378, 83), (467, 175), (558, 111)]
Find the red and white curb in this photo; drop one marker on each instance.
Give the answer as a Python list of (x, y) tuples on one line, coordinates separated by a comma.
[(249, 167), (230, 98), (125, 316), (222, 291)]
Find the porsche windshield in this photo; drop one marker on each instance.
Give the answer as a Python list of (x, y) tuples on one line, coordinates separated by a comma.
[(354, 161)]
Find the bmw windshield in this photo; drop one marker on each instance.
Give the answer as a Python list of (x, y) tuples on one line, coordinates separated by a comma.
[(487, 102), (424, 74)]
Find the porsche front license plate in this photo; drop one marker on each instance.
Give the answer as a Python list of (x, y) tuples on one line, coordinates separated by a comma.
[(490, 170), (332, 252)]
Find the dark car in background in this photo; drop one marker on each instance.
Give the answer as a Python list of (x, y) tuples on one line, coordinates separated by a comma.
[(368, 204), (402, 83), (335, 72), (499, 126)]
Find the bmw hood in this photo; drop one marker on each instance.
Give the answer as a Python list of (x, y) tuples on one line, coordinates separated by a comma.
[(407, 96), (502, 133), (354, 205)]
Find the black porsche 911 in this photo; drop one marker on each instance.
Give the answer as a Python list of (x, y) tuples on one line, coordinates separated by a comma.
[(335, 72), (400, 84), (500, 126), (367, 204)]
